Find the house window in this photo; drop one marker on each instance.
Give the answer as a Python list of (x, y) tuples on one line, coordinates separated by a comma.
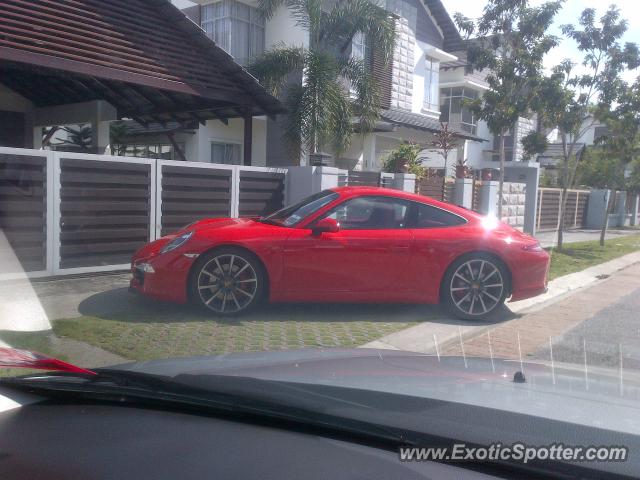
[(227, 153), (359, 49), (431, 84), (455, 112), (599, 132), (235, 27), (508, 148), (162, 151)]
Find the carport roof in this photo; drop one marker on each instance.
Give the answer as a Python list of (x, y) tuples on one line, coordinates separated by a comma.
[(142, 56), (421, 122)]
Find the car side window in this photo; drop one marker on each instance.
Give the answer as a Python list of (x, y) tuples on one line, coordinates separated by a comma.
[(371, 213), (426, 216)]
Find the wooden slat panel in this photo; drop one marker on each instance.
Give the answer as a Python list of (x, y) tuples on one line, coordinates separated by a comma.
[(261, 193), (431, 187), (192, 193), (105, 211), (368, 179), (172, 170), (103, 178), (23, 208), (191, 182), (383, 75)]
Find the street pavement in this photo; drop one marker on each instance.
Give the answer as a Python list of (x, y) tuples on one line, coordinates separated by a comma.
[(594, 326), (609, 333)]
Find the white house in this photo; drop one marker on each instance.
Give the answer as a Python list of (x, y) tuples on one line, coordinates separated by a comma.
[(552, 157), (426, 39)]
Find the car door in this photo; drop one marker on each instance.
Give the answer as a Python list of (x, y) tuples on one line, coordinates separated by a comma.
[(368, 255), (438, 240)]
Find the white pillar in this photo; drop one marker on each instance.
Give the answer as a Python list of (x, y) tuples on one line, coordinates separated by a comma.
[(635, 205), (100, 136), (489, 197), (405, 182), (463, 193), (596, 207), (531, 200), (305, 181), (369, 153), (621, 208)]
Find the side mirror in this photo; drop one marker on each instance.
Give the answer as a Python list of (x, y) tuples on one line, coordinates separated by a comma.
[(328, 225)]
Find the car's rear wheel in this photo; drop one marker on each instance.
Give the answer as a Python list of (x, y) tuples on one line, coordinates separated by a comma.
[(475, 286), (227, 281)]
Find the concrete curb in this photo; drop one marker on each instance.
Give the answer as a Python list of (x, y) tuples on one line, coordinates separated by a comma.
[(444, 332)]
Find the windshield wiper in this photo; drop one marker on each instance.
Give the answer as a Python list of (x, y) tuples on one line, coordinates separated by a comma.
[(270, 221)]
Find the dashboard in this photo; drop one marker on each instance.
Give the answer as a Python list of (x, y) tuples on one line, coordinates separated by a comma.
[(58, 440)]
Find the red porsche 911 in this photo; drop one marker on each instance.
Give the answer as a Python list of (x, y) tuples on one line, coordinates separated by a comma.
[(350, 244)]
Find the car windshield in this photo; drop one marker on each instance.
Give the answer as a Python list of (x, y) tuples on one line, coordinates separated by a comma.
[(417, 223), (294, 214)]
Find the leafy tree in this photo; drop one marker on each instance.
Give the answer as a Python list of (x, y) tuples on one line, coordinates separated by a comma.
[(321, 107), (444, 141), (621, 145), (600, 169), (78, 138), (117, 135), (574, 101), (511, 41)]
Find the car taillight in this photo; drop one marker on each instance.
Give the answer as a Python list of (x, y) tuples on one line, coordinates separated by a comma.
[(532, 247)]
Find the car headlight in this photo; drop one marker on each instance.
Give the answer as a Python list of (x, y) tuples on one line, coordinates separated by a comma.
[(533, 247), (176, 242)]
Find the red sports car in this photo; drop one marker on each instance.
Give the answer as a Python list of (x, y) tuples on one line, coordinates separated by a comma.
[(350, 244)]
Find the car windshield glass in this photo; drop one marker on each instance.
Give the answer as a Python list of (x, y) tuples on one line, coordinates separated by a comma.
[(291, 216)]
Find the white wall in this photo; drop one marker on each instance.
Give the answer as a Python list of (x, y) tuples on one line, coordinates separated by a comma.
[(418, 77), (475, 151), (198, 146), (281, 27), (12, 101)]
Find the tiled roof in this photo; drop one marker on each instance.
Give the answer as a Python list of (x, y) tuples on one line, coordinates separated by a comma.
[(143, 56), (452, 39), (554, 151)]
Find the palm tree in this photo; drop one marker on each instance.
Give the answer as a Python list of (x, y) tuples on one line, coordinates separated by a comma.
[(335, 87), (78, 138)]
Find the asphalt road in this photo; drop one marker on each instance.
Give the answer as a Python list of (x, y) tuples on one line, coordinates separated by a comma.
[(605, 335)]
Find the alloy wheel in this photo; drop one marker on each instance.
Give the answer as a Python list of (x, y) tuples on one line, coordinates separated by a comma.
[(476, 287), (227, 283)]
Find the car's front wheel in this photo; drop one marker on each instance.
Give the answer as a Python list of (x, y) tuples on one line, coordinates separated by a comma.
[(227, 281), (475, 286)]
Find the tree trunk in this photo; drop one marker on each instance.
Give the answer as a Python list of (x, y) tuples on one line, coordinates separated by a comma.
[(501, 183), (563, 203), (605, 219), (563, 192)]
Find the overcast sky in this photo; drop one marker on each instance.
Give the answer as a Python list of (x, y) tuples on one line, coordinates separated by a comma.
[(569, 14)]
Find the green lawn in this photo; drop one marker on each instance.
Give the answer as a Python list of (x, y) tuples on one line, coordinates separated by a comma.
[(578, 256), (151, 330)]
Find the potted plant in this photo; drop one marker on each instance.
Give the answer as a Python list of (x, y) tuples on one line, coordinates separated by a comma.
[(404, 159), (461, 168)]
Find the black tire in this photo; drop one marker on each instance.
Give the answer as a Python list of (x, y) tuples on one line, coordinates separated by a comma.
[(237, 288), (469, 289)]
